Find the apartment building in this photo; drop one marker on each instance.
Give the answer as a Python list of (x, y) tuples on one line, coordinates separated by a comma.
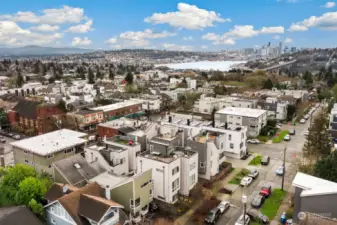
[(276, 109), (174, 169), (253, 119), (87, 120), (6, 157), (42, 151), (332, 130), (126, 108), (150, 103)]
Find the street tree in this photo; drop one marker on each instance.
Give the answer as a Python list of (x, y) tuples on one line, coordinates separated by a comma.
[(111, 74), (129, 78), (268, 84), (91, 76), (19, 80), (326, 167)]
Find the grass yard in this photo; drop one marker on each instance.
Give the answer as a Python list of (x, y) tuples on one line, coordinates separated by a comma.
[(235, 83), (279, 139), (272, 204), (238, 177), (256, 161)]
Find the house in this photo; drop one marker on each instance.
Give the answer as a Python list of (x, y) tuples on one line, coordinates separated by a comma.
[(18, 215), (140, 130), (126, 108), (276, 109), (314, 195), (151, 103), (174, 167), (42, 151), (253, 119), (134, 193), (88, 119), (30, 115), (6, 157), (90, 204)]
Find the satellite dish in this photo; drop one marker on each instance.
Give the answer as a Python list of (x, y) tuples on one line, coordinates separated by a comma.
[(65, 189)]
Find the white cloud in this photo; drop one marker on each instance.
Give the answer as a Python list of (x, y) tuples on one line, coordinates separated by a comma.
[(146, 34), (111, 41), (277, 37), (81, 28), (12, 34), (65, 14), (189, 38), (329, 5), (241, 32), (288, 40), (204, 46), (77, 41), (45, 28), (327, 21), (177, 47), (188, 17)]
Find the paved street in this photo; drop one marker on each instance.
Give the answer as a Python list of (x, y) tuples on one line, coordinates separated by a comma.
[(8, 147)]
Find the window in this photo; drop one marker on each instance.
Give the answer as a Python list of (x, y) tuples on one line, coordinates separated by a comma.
[(50, 156), (53, 221), (175, 170), (26, 161), (151, 193), (241, 145), (146, 183), (175, 197), (242, 136), (68, 150), (230, 137), (135, 203), (175, 185), (221, 146), (202, 164), (192, 179), (151, 148), (122, 161), (231, 145), (159, 170), (238, 116), (26, 152)]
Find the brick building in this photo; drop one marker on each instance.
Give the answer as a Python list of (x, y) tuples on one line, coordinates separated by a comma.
[(30, 115)]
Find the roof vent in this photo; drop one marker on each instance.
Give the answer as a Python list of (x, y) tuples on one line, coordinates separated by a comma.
[(77, 166)]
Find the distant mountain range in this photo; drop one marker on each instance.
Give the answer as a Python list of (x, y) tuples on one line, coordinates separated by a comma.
[(33, 50)]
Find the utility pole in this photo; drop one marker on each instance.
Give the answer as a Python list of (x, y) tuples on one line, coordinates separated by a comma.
[(244, 201), (284, 165)]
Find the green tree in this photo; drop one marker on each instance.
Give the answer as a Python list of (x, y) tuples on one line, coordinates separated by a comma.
[(99, 75), (204, 75), (62, 105), (325, 168), (220, 90), (19, 80), (111, 74), (291, 110), (334, 91), (37, 208), (30, 188), (308, 78), (91, 76), (268, 84), (129, 78)]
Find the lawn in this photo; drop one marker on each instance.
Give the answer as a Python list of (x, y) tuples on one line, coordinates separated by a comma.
[(273, 203), (235, 83), (256, 161), (280, 137), (238, 177)]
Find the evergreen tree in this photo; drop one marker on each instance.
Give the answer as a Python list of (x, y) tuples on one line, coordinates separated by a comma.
[(129, 78), (82, 74), (99, 75), (268, 84), (19, 80), (325, 168), (308, 78), (111, 74), (91, 76)]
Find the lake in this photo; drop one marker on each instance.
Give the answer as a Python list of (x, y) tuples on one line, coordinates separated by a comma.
[(204, 65)]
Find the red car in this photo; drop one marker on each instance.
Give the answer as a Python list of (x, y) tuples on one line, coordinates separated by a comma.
[(266, 190)]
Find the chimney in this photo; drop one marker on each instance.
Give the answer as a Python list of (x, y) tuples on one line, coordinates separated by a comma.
[(188, 122), (170, 119), (107, 192)]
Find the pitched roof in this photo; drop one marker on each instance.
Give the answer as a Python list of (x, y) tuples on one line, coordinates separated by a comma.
[(57, 191), (87, 201), (26, 108), (18, 215), (76, 170)]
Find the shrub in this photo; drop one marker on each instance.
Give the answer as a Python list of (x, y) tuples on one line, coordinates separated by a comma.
[(280, 137), (290, 213)]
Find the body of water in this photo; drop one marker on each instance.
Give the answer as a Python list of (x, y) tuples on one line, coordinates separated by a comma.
[(204, 65)]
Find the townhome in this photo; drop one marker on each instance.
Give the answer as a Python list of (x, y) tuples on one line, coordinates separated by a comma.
[(91, 204), (151, 103), (42, 151), (87, 120), (174, 169), (275, 109), (253, 119)]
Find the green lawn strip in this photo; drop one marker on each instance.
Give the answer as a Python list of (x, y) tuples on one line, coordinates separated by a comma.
[(256, 161), (281, 136), (272, 204), (238, 177)]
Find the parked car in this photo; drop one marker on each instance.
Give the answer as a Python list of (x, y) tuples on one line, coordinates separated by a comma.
[(265, 160), (253, 141), (302, 121), (246, 181), (306, 133), (2, 140), (265, 190), (257, 216), (280, 171), (10, 134), (16, 137), (287, 137), (292, 132), (224, 206), (212, 216), (243, 220), (253, 173), (257, 201)]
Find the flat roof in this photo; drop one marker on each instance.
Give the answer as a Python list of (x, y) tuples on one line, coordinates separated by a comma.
[(52, 142), (246, 112), (117, 105), (178, 153)]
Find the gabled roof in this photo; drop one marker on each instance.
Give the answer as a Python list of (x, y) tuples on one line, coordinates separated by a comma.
[(87, 202), (18, 215), (26, 108), (313, 185), (57, 191)]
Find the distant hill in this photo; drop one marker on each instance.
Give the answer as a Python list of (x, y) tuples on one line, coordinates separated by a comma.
[(33, 50)]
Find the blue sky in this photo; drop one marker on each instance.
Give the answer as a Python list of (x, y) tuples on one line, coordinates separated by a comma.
[(168, 24)]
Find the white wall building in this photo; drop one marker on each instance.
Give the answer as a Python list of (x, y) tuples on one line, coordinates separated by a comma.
[(150, 102), (254, 119)]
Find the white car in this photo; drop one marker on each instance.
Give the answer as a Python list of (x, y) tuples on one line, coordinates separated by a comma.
[(287, 137), (306, 133), (240, 221), (253, 141), (302, 121), (246, 181), (224, 206)]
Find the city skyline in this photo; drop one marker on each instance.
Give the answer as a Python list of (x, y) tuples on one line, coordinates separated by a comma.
[(172, 25)]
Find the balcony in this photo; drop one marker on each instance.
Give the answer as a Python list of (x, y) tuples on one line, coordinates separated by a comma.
[(144, 210)]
